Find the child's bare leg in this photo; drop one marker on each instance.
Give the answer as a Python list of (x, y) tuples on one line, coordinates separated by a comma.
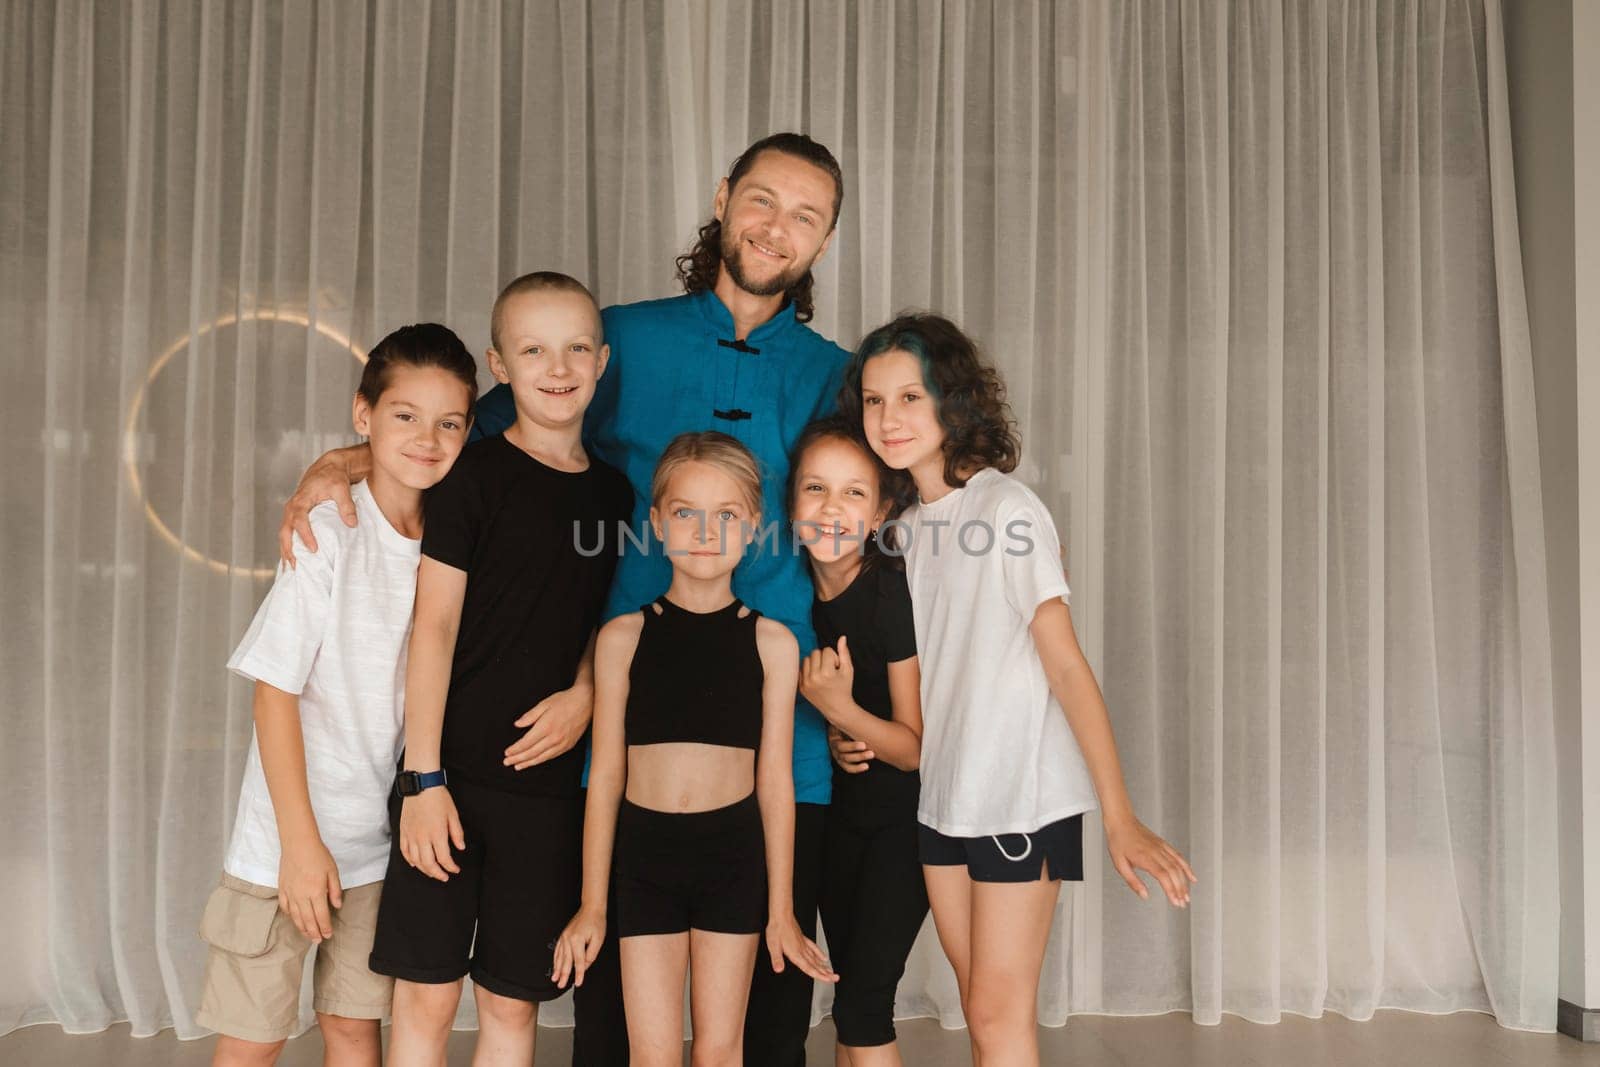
[(950, 899), (719, 988), (423, 1013), (653, 969), (950, 896), (506, 1030), (1010, 923), (237, 1052), (350, 1042), (869, 1055)]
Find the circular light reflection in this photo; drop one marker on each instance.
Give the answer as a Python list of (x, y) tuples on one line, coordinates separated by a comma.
[(130, 444)]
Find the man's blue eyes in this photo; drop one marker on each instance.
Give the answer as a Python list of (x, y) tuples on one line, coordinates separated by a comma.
[(807, 219)]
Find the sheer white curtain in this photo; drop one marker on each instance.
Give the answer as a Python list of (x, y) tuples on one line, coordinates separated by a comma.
[(1251, 271)]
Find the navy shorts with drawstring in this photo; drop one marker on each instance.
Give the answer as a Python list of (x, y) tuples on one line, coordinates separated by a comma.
[(1009, 857)]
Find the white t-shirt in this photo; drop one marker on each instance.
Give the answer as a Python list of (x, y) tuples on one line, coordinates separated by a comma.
[(997, 754), (333, 630)]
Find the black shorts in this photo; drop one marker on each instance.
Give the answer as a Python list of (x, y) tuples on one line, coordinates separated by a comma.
[(701, 870), (519, 884), (1009, 857)]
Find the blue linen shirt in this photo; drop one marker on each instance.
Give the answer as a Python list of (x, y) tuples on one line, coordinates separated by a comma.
[(675, 367)]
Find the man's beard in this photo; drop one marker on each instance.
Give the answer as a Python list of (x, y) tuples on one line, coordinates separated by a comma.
[(782, 282)]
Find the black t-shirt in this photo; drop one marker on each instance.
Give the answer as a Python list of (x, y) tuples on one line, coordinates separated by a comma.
[(539, 546), (874, 612)]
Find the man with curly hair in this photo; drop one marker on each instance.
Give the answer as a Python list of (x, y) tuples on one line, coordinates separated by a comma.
[(734, 353)]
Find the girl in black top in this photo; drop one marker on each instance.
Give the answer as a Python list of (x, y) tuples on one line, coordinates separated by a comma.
[(864, 679), (690, 782)]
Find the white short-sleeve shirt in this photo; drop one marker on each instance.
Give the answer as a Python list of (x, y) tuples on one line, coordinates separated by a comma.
[(333, 630), (998, 756)]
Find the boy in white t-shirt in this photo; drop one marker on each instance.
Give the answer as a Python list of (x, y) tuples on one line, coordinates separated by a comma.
[(326, 651)]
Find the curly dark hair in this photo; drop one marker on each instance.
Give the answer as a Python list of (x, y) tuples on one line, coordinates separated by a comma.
[(894, 487), (697, 268), (978, 428)]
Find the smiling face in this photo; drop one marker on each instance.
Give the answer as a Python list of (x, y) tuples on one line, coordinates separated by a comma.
[(417, 427), (900, 417), (549, 352), (837, 499), (704, 519), (776, 222)]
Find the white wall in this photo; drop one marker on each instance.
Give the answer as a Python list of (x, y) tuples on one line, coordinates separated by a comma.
[(1586, 257), (1553, 61)]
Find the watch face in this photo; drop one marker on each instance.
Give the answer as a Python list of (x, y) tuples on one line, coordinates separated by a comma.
[(409, 783)]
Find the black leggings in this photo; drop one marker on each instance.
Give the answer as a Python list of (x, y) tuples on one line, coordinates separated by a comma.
[(873, 904)]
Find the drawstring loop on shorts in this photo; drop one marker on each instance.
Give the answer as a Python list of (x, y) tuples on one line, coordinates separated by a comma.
[(1027, 847)]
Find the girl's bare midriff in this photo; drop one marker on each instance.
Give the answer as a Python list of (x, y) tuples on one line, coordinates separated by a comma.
[(685, 776)]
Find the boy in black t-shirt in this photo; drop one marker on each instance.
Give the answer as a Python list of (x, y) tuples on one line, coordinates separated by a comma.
[(485, 870)]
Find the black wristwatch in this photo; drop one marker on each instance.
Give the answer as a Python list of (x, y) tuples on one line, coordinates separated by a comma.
[(410, 783)]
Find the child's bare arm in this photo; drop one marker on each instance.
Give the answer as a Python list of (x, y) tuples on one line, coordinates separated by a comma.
[(774, 764), (308, 878), (775, 795), (608, 776), (608, 758), (1132, 845), (428, 821)]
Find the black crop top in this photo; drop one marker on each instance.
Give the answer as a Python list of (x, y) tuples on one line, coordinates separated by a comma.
[(695, 677)]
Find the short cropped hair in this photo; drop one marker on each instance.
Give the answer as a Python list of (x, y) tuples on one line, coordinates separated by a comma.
[(715, 449), (426, 344), (538, 281)]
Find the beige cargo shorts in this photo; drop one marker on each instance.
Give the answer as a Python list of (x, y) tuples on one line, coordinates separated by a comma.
[(257, 958)]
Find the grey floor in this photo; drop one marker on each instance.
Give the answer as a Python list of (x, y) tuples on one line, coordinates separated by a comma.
[(1464, 1040)]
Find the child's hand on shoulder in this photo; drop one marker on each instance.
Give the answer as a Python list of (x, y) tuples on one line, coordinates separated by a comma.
[(429, 825), (1135, 847), (577, 946), (786, 941), (326, 479), (827, 677), (308, 882)]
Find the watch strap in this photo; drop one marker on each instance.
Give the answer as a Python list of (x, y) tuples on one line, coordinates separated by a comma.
[(430, 779), (410, 783)]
